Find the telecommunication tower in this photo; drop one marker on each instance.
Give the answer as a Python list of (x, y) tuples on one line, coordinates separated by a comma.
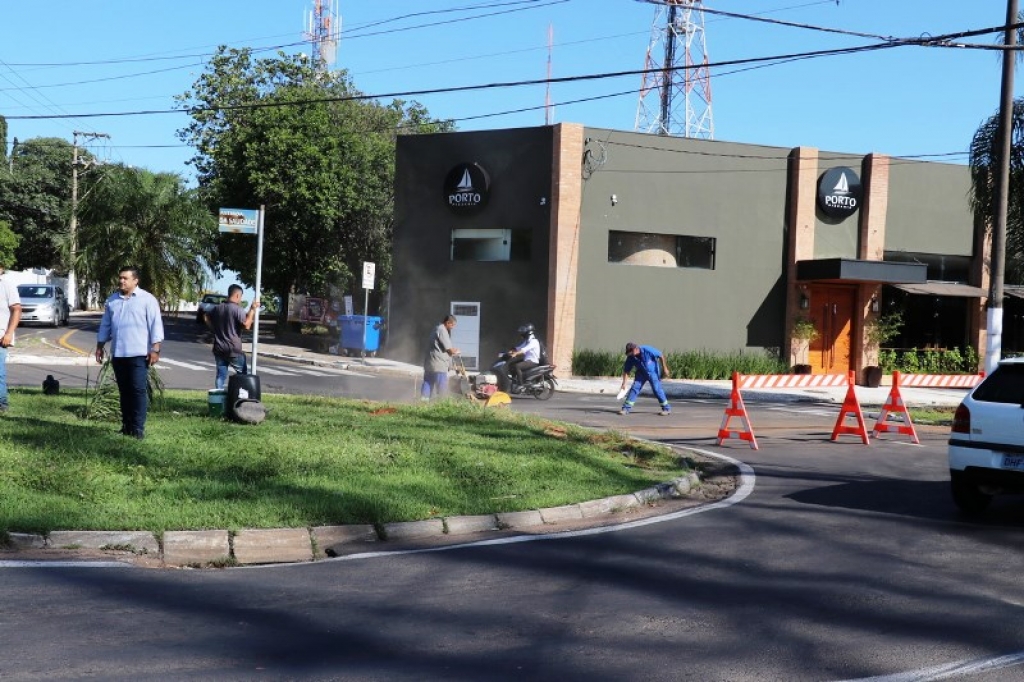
[(675, 98), (323, 26)]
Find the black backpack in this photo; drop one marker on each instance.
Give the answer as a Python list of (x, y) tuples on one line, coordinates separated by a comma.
[(544, 360)]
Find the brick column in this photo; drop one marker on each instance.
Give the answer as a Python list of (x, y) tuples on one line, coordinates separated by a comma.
[(803, 187), (870, 246), (563, 259)]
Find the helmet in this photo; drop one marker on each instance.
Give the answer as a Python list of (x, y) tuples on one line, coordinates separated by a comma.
[(525, 330)]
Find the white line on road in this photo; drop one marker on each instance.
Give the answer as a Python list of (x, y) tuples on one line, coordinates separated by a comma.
[(948, 670), (64, 564), (185, 365)]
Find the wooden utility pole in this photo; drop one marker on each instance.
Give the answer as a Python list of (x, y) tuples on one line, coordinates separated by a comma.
[(72, 291)]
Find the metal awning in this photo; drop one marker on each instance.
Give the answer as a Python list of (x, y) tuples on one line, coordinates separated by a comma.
[(849, 270), (943, 289), (1015, 292)]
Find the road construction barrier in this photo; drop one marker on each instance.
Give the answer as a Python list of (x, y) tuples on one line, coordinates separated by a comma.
[(895, 407), (737, 410)]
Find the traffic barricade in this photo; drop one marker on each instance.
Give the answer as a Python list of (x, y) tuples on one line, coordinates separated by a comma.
[(737, 409), (895, 407)]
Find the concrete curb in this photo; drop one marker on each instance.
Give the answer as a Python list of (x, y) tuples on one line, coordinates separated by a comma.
[(256, 546)]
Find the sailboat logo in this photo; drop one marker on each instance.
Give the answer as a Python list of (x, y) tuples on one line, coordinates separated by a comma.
[(839, 192), (466, 188)]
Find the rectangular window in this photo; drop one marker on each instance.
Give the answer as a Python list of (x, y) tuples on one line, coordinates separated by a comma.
[(661, 250), (491, 245)]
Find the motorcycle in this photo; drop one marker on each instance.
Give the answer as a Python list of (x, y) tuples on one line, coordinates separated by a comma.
[(539, 381)]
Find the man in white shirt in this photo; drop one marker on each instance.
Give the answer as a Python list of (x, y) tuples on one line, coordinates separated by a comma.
[(10, 317), (525, 356)]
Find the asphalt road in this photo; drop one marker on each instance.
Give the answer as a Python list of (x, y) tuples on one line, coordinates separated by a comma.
[(836, 561)]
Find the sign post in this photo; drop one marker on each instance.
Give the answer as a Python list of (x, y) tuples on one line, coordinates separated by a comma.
[(369, 269), (247, 221)]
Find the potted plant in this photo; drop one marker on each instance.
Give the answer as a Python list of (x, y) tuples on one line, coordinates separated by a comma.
[(876, 332), (802, 333)]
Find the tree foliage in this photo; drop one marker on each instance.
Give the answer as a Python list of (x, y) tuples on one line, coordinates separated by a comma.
[(984, 159), (303, 143), (9, 241), (35, 198), (133, 217)]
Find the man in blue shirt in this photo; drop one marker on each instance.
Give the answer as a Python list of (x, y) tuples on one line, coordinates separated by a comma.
[(649, 366), (131, 322)]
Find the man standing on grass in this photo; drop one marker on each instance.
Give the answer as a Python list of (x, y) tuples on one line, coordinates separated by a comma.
[(131, 322), (649, 366), (10, 316), (224, 321)]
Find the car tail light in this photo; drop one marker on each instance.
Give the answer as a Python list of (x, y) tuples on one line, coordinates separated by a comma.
[(962, 419)]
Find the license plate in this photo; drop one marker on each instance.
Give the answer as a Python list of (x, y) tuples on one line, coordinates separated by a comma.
[(1013, 462)]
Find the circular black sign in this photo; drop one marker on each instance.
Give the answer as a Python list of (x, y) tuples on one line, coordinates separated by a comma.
[(839, 192), (467, 188)]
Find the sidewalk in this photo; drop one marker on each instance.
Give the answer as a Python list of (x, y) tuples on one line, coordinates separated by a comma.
[(38, 351), (674, 388)]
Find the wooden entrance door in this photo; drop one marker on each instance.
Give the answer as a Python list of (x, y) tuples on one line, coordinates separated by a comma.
[(831, 310)]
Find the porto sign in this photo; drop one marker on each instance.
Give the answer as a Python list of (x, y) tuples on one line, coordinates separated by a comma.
[(839, 192), (467, 188)]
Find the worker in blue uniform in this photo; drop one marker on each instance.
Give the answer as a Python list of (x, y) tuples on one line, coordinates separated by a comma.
[(648, 366)]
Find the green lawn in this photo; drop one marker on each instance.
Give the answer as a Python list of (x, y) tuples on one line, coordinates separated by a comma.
[(314, 461)]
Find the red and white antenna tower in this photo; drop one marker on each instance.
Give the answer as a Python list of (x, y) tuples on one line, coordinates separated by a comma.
[(323, 26), (675, 98)]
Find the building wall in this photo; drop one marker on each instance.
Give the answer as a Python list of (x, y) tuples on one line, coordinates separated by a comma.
[(425, 278), (928, 208), (836, 238), (734, 193)]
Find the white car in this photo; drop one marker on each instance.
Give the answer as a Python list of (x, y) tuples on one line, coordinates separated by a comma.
[(43, 304), (986, 444)]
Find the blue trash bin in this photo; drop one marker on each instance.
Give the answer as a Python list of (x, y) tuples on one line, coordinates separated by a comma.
[(352, 338)]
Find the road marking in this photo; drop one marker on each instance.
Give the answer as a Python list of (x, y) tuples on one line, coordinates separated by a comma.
[(185, 365), (64, 564), (948, 670), (809, 410)]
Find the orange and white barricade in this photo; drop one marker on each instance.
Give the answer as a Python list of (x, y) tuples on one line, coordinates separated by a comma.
[(736, 408), (851, 408), (894, 405)]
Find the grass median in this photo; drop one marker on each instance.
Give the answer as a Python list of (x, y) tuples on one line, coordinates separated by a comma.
[(314, 461)]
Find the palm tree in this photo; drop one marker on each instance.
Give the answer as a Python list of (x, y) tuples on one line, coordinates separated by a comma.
[(132, 217), (984, 157)]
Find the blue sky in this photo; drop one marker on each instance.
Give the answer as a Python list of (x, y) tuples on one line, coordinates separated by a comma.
[(902, 101)]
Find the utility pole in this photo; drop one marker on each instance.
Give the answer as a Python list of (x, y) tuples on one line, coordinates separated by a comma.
[(994, 337), (72, 291)]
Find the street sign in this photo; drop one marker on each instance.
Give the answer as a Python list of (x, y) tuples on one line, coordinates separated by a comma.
[(368, 272), (238, 220)]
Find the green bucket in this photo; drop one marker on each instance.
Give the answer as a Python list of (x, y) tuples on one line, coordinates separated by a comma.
[(215, 398)]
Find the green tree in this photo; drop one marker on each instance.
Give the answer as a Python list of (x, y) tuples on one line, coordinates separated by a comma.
[(984, 156), (130, 216), (36, 199), (8, 245), (280, 133)]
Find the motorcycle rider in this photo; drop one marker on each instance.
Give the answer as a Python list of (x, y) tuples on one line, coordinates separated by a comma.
[(524, 356)]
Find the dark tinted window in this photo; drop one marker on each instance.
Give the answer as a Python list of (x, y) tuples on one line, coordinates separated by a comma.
[(30, 291), (1005, 385)]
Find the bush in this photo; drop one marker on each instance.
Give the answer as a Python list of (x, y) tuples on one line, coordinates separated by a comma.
[(698, 364), (929, 361)]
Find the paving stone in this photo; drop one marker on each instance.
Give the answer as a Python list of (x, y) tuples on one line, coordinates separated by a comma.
[(684, 484), (607, 505), (411, 530), (462, 525), (26, 540), (139, 541), (654, 494), (332, 537), (522, 519), (272, 545), (188, 547), (569, 512)]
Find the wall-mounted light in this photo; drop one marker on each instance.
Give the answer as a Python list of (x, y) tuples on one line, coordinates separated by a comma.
[(615, 200), (805, 302), (874, 303)]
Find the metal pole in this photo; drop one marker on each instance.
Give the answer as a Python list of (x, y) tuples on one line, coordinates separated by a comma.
[(259, 278), (366, 311), (994, 341), (72, 292)]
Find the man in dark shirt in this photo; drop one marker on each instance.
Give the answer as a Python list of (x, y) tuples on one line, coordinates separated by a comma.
[(225, 321)]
